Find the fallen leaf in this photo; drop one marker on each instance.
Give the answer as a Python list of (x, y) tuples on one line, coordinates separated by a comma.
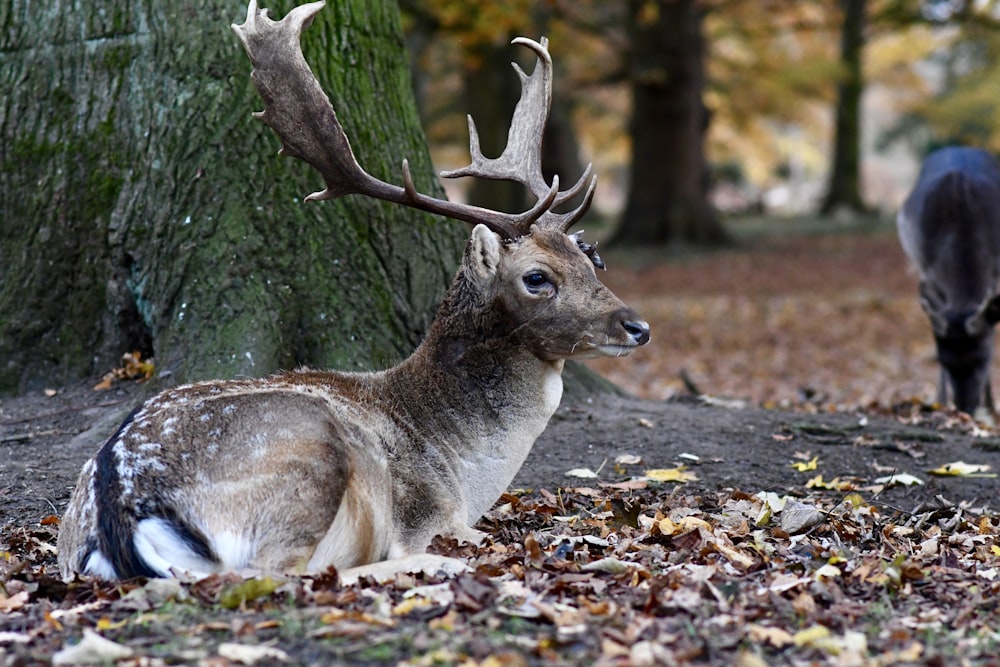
[(962, 469), (669, 527), (105, 623), (735, 556), (14, 602), (828, 571), (835, 484), (902, 479), (239, 594), (679, 474), (93, 649), (810, 635), (583, 473), (748, 659), (610, 565), (249, 654), (805, 466), (797, 517), (776, 637)]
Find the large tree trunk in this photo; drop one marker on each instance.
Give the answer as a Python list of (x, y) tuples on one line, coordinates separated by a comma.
[(844, 190), (668, 191), (142, 206)]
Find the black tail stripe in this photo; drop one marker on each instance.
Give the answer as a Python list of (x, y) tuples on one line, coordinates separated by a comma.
[(116, 524)]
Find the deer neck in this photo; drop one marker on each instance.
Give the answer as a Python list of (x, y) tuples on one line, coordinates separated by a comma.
[(478, 392)]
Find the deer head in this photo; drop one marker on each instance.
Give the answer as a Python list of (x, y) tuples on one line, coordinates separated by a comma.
[(300, 113)]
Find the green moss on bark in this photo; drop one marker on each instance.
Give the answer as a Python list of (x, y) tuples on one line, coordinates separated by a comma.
[(144, 205)]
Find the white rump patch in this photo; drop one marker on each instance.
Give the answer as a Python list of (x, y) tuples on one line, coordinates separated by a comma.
[(233, 550), (165, 551), (99, 566)]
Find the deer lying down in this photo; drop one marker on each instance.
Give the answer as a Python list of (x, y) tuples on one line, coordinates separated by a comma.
[(308, 469), (950, 229)]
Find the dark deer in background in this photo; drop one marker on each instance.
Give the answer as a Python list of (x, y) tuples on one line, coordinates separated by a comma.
[(950, 229), (308, 469)]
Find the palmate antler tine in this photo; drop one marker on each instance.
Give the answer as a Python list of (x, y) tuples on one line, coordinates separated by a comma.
[(521, 160), (295, 106), (300, 113)]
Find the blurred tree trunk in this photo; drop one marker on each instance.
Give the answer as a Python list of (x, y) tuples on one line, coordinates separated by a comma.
[(143, 208), (844, 189), (668, 190)]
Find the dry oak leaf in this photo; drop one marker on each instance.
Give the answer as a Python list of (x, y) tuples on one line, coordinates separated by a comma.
[(797, 517)]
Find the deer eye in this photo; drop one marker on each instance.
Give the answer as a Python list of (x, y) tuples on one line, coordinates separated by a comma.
[(536, 282)]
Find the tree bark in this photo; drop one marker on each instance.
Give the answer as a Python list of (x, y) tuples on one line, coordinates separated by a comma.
[(844, 191), (143, 208), (668, 191)]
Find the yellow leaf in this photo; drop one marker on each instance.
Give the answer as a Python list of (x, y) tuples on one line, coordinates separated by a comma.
[(678, 474), (805, 466), (810, 635), (232, 597), (818, 482), (854, 500), (963, 469), (834, 484), (995, 549), (668, 527), (410, 605), (827, 571), (105, 623)]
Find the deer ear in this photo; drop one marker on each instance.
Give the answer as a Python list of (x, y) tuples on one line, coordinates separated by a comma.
[(991, 312), (931, 303), (482, 256)]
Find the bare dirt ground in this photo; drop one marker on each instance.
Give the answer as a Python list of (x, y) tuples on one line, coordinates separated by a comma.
[(814, 373)]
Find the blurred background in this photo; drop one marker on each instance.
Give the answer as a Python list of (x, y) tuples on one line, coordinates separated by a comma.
[(752, 156)]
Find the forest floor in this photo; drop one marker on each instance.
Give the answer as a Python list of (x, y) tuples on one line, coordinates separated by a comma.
[(780, 490)]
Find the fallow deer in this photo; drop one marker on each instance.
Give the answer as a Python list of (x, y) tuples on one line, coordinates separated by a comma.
[(308, 469), (949, 227)]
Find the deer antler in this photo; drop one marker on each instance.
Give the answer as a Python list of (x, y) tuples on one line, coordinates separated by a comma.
[(300, 113), (521, 160)]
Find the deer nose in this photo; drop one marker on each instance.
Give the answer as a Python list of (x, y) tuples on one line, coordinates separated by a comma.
[(638, 330)]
